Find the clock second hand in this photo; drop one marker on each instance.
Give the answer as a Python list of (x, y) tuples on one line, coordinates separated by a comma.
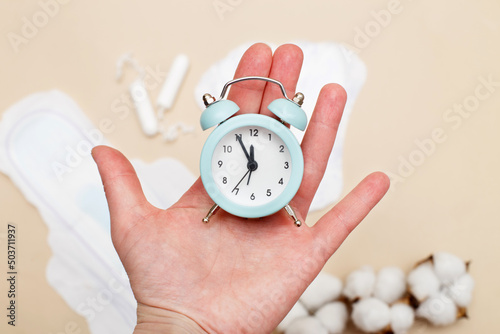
[(252, 166), (248, 171)]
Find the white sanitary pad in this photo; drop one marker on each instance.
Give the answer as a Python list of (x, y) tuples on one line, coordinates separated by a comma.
[(45, 143), (323, 63)]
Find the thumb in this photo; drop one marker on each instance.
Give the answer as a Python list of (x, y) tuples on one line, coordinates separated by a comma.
[(126, 201)]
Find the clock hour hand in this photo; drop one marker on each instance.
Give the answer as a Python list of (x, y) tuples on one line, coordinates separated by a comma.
[(252, 164), (251, 154)]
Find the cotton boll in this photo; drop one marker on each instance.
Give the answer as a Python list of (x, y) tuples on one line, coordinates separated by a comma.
[(390, 284), (323, 289), (402, 318), (423, 282), (333, 316), (460, 291), (371, 315), (448, 267), (297, 311), (439, 310), (360, 283), (307, 325)]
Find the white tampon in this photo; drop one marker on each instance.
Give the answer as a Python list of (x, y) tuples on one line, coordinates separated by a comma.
[(172, 84), (143, 107)]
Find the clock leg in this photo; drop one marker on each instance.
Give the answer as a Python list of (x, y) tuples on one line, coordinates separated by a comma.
[(292, 214), (212, 211)]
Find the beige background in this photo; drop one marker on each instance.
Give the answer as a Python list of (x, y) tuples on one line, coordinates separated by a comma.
[(428, 58)]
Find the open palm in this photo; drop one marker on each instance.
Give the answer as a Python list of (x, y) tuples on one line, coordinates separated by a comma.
[(233, 275)]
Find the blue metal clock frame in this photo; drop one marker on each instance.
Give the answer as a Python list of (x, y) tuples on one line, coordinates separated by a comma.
[(297, 162)]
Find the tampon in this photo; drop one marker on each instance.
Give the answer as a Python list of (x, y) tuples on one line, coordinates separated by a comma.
[(172, 84), (143, 107)]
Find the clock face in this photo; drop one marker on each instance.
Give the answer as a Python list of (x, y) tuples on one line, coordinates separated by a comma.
[(251, 166)]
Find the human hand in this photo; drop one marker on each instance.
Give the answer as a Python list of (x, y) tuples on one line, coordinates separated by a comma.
[(233, 275)]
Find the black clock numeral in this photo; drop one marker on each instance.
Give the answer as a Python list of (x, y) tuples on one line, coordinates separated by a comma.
[(280, 181), (286, 165), (254, 132), (270, 138), (227, 149), (238, 136), (224, 180), (282, 149), (220, 163), (268, 193), (252, 197), (237, 190)]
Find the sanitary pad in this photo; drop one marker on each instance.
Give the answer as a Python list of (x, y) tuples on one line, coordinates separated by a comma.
[(323, 63), (45, 144)]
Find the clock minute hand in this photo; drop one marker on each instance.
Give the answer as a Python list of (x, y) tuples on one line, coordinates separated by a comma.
[(238, 138)]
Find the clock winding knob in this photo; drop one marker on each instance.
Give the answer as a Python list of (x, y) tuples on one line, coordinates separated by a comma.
[(298, 98), (208, 99)]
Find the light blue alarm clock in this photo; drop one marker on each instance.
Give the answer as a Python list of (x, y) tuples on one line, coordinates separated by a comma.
[(252, 165)]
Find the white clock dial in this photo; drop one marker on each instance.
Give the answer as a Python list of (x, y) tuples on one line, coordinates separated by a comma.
[(251, 166)]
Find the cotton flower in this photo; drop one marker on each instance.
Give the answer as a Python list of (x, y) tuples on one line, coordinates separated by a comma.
[(460, 291), (448, 267), (323, 289), (371, 315), (439, 289), (439, 310), (423, 281), (390, 284), (333, 316), (297, 311), (442, 303), (306, 325), (402, 318), (360, 283)]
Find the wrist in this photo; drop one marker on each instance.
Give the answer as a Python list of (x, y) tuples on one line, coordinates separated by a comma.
[(156, 320)]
